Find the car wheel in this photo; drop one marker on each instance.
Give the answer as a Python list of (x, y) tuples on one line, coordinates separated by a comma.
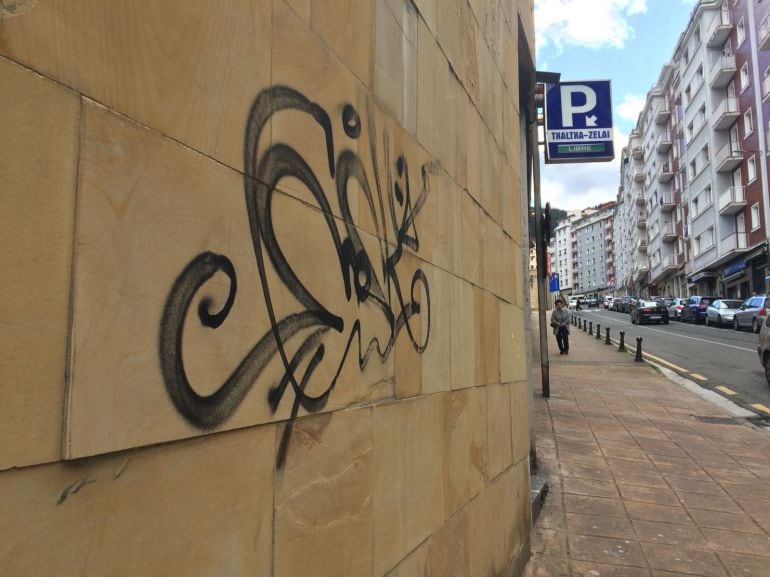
[(665, 322), (719, 321), (755, 326), (736, 326)]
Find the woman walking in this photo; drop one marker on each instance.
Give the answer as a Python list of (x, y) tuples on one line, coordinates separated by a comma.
[(560, 324)]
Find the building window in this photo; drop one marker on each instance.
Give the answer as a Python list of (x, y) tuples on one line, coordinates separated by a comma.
[(751, 169), (755, 217), (748, 123), (740, 32), (744, 76), (706, 194)]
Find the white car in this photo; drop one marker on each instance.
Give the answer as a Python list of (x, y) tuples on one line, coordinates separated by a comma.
[(572, 303), (607, 301)]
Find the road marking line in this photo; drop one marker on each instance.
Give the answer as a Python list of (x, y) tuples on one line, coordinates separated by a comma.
[(665, 362), (761, 407), (699, 377), (681, 335), (725, 390)]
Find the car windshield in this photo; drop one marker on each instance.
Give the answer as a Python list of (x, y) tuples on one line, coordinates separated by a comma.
[(705, 300), (730, 304)]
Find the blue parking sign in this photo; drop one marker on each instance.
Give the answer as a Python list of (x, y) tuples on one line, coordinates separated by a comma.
[(578, 122), (553, 283)]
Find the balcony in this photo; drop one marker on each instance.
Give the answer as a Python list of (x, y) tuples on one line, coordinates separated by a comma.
[(639, 197), (663, 144), (689, 268), (670, 263), (732, 200), (764, 34), (662, 113), (641, 269), (638, 175), (666, 173), (735, 242), (725, 114), (722, 71), (728, 157), (641, 221), (668, 232), (667, 203), (637, 152), (641, 245), (719, 30)]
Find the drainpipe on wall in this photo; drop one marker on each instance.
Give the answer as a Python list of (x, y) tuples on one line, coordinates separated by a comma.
[(753, 41)]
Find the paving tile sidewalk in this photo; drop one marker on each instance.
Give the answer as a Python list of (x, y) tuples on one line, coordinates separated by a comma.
[(640, 484)]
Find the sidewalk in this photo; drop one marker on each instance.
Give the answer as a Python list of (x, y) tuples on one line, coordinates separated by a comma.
[(645, 478)]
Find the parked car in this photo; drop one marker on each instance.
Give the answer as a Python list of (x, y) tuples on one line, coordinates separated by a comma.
[(752, 314), (675, 308), (615, 304), (593, 302), (626, 303), (608, 301), (722, 311), (695, 309), (648, 311), (763, 348), (572, 303)]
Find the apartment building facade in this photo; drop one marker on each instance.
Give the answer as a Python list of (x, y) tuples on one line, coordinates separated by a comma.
[(583, 251), (700, 145)]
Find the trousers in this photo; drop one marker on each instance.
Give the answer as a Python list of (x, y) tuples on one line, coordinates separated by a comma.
[(562, 339)]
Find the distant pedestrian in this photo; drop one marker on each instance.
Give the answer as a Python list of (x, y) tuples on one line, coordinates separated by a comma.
[(560, 324)]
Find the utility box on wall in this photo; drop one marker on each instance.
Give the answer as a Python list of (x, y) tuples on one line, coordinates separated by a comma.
[(267, 295)]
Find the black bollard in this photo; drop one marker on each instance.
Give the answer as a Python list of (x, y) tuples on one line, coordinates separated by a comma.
[(622, 347), (585, 326), (591, 328), (638, 357), (607, 340), (598, 331)]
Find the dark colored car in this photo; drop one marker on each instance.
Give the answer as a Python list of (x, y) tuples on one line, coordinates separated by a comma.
[(649, 311), (593, 302), (696, 309), (752, 314), (627, 303)]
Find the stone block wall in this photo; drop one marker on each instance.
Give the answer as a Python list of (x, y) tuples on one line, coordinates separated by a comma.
[(263, 276)]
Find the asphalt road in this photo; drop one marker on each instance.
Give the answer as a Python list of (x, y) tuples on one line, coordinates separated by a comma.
[(720, 359)]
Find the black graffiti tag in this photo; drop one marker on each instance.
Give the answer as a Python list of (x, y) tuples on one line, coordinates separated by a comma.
[(379, 287)]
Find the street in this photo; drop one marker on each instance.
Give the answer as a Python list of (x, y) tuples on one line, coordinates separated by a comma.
[(722, 360)]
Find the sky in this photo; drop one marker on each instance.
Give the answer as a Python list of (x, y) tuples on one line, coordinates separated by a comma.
[(624, 41)]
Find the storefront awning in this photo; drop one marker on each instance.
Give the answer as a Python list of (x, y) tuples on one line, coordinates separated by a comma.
[(733, 277)]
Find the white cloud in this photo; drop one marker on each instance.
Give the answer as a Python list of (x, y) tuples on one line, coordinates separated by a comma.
[(630, 108), (585, 22)]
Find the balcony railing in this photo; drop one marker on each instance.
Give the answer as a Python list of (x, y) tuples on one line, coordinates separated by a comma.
[(663, 144), (637, 152), (639, 197), (732, 200), (735, 242), (667, 203), (719, 30), (764, 34), (725, 114), (641, 221), (670, 263), (728, 157), (722, 71), (641, 245), (638, 175), (668, 232), (662, 112), (665, 174)]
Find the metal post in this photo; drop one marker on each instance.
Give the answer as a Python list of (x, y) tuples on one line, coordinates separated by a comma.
[(622, 347), (607, 340), (591, 328), (540, 253), (638, 357), (585, 326), (598, 331)]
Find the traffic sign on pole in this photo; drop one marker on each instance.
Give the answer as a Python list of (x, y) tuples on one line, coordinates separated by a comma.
[(578, 122)]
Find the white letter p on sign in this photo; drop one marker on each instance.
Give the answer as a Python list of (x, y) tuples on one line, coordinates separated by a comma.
[(568, 110)]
